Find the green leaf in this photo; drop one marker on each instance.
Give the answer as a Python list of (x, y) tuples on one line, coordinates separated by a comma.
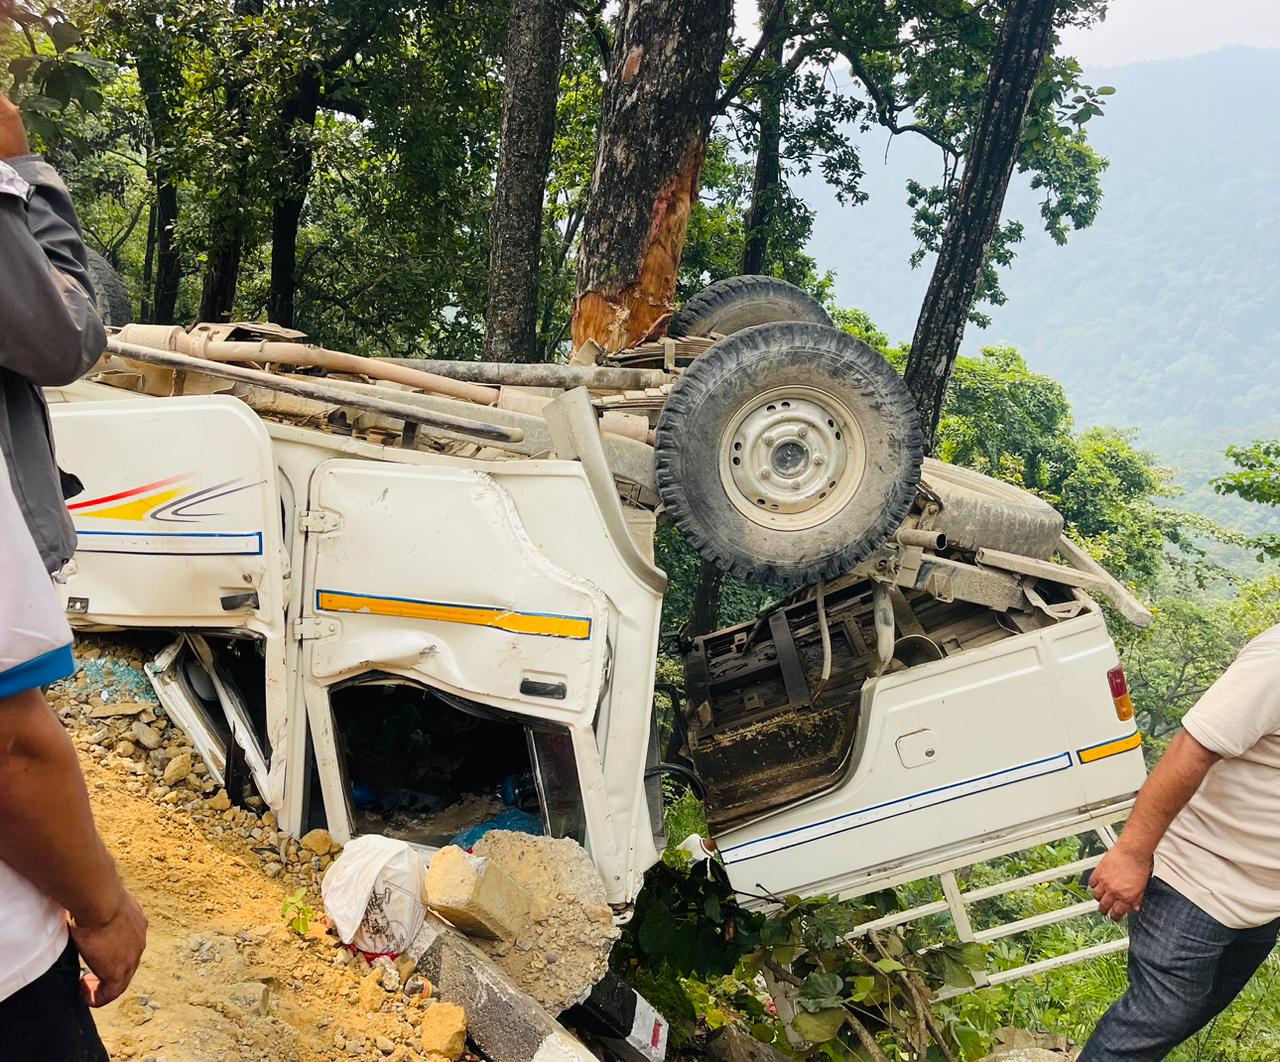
[(1106, 90), (822, 985), (955, 973), (64, 35), (972, 1043), (22, 67), (888, 966), (862, 987), (67, 82), (712, 907), (820, 1027), (658, 931)]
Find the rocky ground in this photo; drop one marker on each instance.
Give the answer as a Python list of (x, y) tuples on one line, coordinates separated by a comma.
[(224, 979)]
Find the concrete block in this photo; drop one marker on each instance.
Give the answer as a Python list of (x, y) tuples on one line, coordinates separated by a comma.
[(475, 895)]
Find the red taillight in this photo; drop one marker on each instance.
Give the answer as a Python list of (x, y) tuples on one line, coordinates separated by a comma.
[(1120, 693)]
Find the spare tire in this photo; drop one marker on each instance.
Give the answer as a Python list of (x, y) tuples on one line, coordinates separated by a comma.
[(110, 295), (787, 452), (980, 512), (735, 303)]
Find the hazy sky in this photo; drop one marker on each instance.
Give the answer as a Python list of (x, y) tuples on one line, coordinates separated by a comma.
[(1135, 30), (1149, 29)]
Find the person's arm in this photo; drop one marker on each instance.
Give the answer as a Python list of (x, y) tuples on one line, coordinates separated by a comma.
[(1120, 879), (50, 333), (47, 835)]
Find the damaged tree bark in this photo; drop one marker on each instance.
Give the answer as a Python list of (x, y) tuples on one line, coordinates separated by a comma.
[(993, 151), (664, 75), (531, 82)]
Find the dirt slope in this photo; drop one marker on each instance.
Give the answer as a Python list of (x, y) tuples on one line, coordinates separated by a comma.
[(218, 945)]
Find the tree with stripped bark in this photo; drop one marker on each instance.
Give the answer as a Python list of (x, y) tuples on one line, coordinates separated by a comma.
[(663, 83)]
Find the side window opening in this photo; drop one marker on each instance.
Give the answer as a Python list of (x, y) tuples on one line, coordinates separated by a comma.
[(426, 767)]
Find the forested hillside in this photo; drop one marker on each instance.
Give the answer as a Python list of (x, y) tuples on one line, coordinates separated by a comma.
[(1163, 314)]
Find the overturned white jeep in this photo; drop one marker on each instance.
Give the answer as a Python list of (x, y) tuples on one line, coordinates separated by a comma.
[(406, 601)]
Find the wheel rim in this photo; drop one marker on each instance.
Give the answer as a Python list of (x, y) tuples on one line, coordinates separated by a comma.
[(792, 457)]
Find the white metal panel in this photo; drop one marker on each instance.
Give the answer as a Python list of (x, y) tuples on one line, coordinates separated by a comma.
[(179, 511), (1004, 721), (431, 574), (1082, 653)]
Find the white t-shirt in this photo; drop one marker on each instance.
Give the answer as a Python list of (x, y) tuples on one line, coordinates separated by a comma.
[(35, 649), (1222, 852)]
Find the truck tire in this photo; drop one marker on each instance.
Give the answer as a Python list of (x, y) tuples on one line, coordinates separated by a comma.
[(787, 452), (735, 303), (110, 294), (978, 511)]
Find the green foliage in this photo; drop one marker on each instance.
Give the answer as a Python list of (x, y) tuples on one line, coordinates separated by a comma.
[(1256, 605), (1007, 421), (1256, 479), (298, 912), (739, 600), (685, 815), (1171, 663), (688, 920)]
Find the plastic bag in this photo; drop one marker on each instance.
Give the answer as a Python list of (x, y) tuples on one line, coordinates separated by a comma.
[(373, 893), (512, 819)]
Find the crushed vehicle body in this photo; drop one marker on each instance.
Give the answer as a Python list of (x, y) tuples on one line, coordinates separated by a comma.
[(395, 601)]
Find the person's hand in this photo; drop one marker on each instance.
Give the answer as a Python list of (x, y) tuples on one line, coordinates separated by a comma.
[(1120, 881), (112, 949), (13, 137)]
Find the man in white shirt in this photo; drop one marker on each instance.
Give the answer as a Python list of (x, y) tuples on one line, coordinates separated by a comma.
[(1197, 867), (61, 899)]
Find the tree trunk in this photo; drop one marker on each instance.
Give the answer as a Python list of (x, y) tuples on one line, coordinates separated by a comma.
[(1019, 55), (704, 614), (664, 76), (531, 83), (297, 121), (222, 269), (159, 78), (145, 307), (168, 260), (768, 175)]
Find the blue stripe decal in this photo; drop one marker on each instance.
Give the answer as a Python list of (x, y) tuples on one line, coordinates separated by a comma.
[(999, 779), (41, 671), (171, 543)]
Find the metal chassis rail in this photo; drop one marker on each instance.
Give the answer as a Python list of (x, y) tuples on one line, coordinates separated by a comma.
[(957, 902)]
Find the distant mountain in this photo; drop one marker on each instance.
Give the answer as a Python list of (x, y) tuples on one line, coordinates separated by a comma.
[(1165, 315)]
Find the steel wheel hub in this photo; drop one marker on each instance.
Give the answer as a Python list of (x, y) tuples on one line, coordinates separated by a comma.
[(792, 457)]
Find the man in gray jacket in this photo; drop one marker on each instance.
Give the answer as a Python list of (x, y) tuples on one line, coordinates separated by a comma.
[(49, 331), (62, 902)]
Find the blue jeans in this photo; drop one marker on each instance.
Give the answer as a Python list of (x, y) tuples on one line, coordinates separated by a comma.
[(1184, 969)]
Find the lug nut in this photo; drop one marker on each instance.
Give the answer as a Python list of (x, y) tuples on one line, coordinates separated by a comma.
[(767, 440), (795, 484), (819, 459), (765, 473), (802, 431)]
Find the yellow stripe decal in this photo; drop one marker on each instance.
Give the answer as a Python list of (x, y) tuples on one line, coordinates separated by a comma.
[(136, 509), (551, 626), (1110, 748)]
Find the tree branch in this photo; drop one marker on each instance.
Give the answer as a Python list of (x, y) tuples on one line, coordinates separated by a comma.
[(886, 112), (919, 1003), (767, 31), (591, 16)]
